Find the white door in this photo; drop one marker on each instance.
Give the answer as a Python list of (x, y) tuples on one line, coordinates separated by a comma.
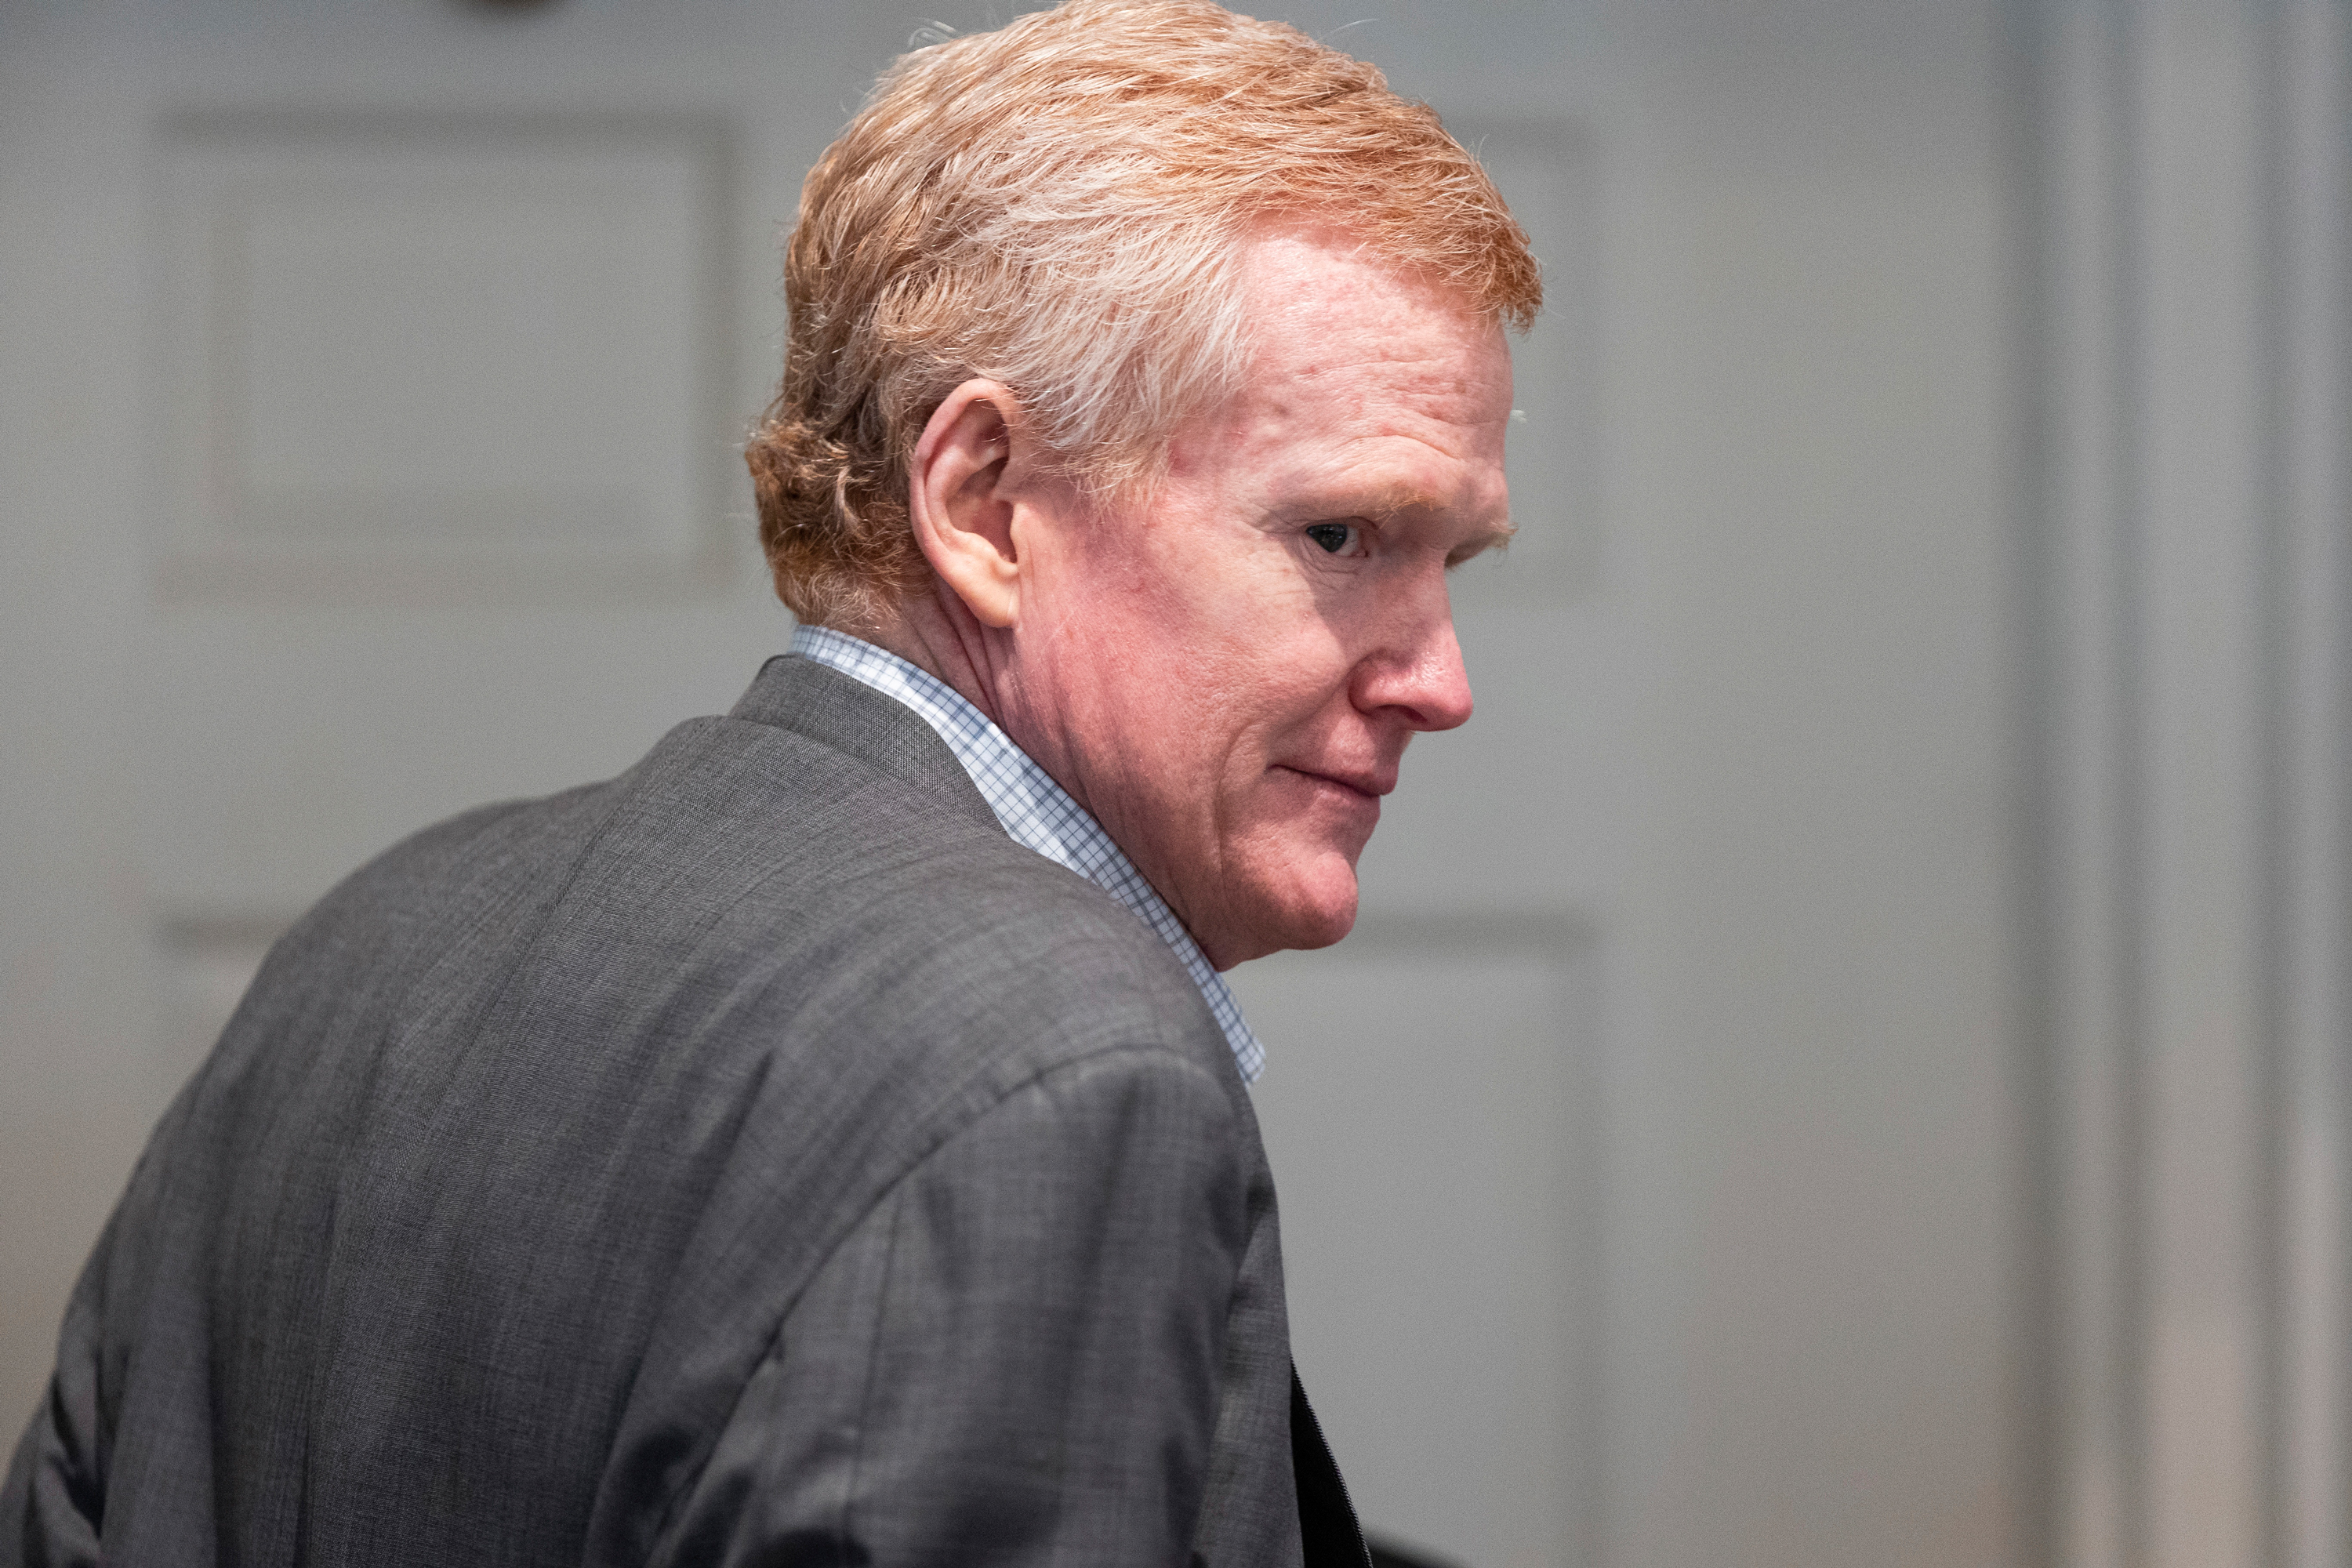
[(370, 378)]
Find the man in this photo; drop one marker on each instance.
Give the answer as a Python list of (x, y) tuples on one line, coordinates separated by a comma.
[(827, 1142)]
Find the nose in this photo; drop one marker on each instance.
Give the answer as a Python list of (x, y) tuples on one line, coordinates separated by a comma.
[(1417, 674)]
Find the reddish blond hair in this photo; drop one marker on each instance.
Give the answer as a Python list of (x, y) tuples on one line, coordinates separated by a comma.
[(1060, 206)]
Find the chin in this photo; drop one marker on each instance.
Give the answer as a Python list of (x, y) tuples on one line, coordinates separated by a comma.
[(1308, 909)]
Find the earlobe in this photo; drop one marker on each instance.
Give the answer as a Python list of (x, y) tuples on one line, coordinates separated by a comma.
[(960, 499)]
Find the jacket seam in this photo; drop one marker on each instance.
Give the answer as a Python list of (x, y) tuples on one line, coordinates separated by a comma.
[(873, 1370)]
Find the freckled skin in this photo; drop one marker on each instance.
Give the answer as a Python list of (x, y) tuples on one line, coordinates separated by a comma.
[(1227, 677)]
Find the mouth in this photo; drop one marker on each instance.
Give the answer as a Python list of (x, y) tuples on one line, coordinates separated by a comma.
[(1369, 787)]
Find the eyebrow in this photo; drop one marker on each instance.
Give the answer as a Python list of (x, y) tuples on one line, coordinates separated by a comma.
[(1394, 500), (1397, 499), (1492, 538)]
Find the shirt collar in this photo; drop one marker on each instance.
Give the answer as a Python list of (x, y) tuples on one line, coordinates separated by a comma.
[(1037, 813)]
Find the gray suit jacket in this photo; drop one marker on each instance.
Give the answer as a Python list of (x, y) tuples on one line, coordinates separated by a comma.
[(758, 1158)]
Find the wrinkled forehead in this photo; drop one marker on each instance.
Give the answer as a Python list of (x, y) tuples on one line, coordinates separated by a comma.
[(1332, 331), (1317, 267)]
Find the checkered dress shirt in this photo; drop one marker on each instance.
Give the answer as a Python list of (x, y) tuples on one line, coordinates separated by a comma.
[(1035, 811)]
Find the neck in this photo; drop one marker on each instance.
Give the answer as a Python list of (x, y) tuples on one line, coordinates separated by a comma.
[(947, 640), (937, 633)]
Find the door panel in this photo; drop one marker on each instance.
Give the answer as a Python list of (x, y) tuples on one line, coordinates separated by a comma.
[(1431, 1107), (438, 358)]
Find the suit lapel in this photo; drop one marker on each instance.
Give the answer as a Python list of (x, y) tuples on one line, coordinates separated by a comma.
[(1329, 1535)]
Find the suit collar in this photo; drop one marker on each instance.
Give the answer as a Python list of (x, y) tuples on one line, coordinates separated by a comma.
[(823, 705)]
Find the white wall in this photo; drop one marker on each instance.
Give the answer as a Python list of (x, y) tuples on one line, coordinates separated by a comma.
[(1724, 873), (2193, 265)]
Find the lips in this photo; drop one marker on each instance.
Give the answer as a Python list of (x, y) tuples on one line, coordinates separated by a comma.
[(1371, 785)]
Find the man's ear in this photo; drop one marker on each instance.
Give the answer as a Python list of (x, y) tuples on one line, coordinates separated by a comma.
[(961, 503)]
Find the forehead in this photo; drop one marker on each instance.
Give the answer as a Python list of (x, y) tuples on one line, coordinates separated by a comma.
[(1318, 306), (1355, 366)]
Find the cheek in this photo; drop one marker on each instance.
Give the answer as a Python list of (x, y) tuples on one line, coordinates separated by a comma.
[(1144, 702), (1206, 650), (1279, 675), (1258, 721)]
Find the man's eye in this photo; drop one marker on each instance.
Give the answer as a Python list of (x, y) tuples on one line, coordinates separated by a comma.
[(1333, 537)]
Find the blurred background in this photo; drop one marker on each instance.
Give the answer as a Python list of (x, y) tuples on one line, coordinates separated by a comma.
[(1841, 1063)]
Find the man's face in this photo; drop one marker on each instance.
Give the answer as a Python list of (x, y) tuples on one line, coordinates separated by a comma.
[(1227, 677)]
